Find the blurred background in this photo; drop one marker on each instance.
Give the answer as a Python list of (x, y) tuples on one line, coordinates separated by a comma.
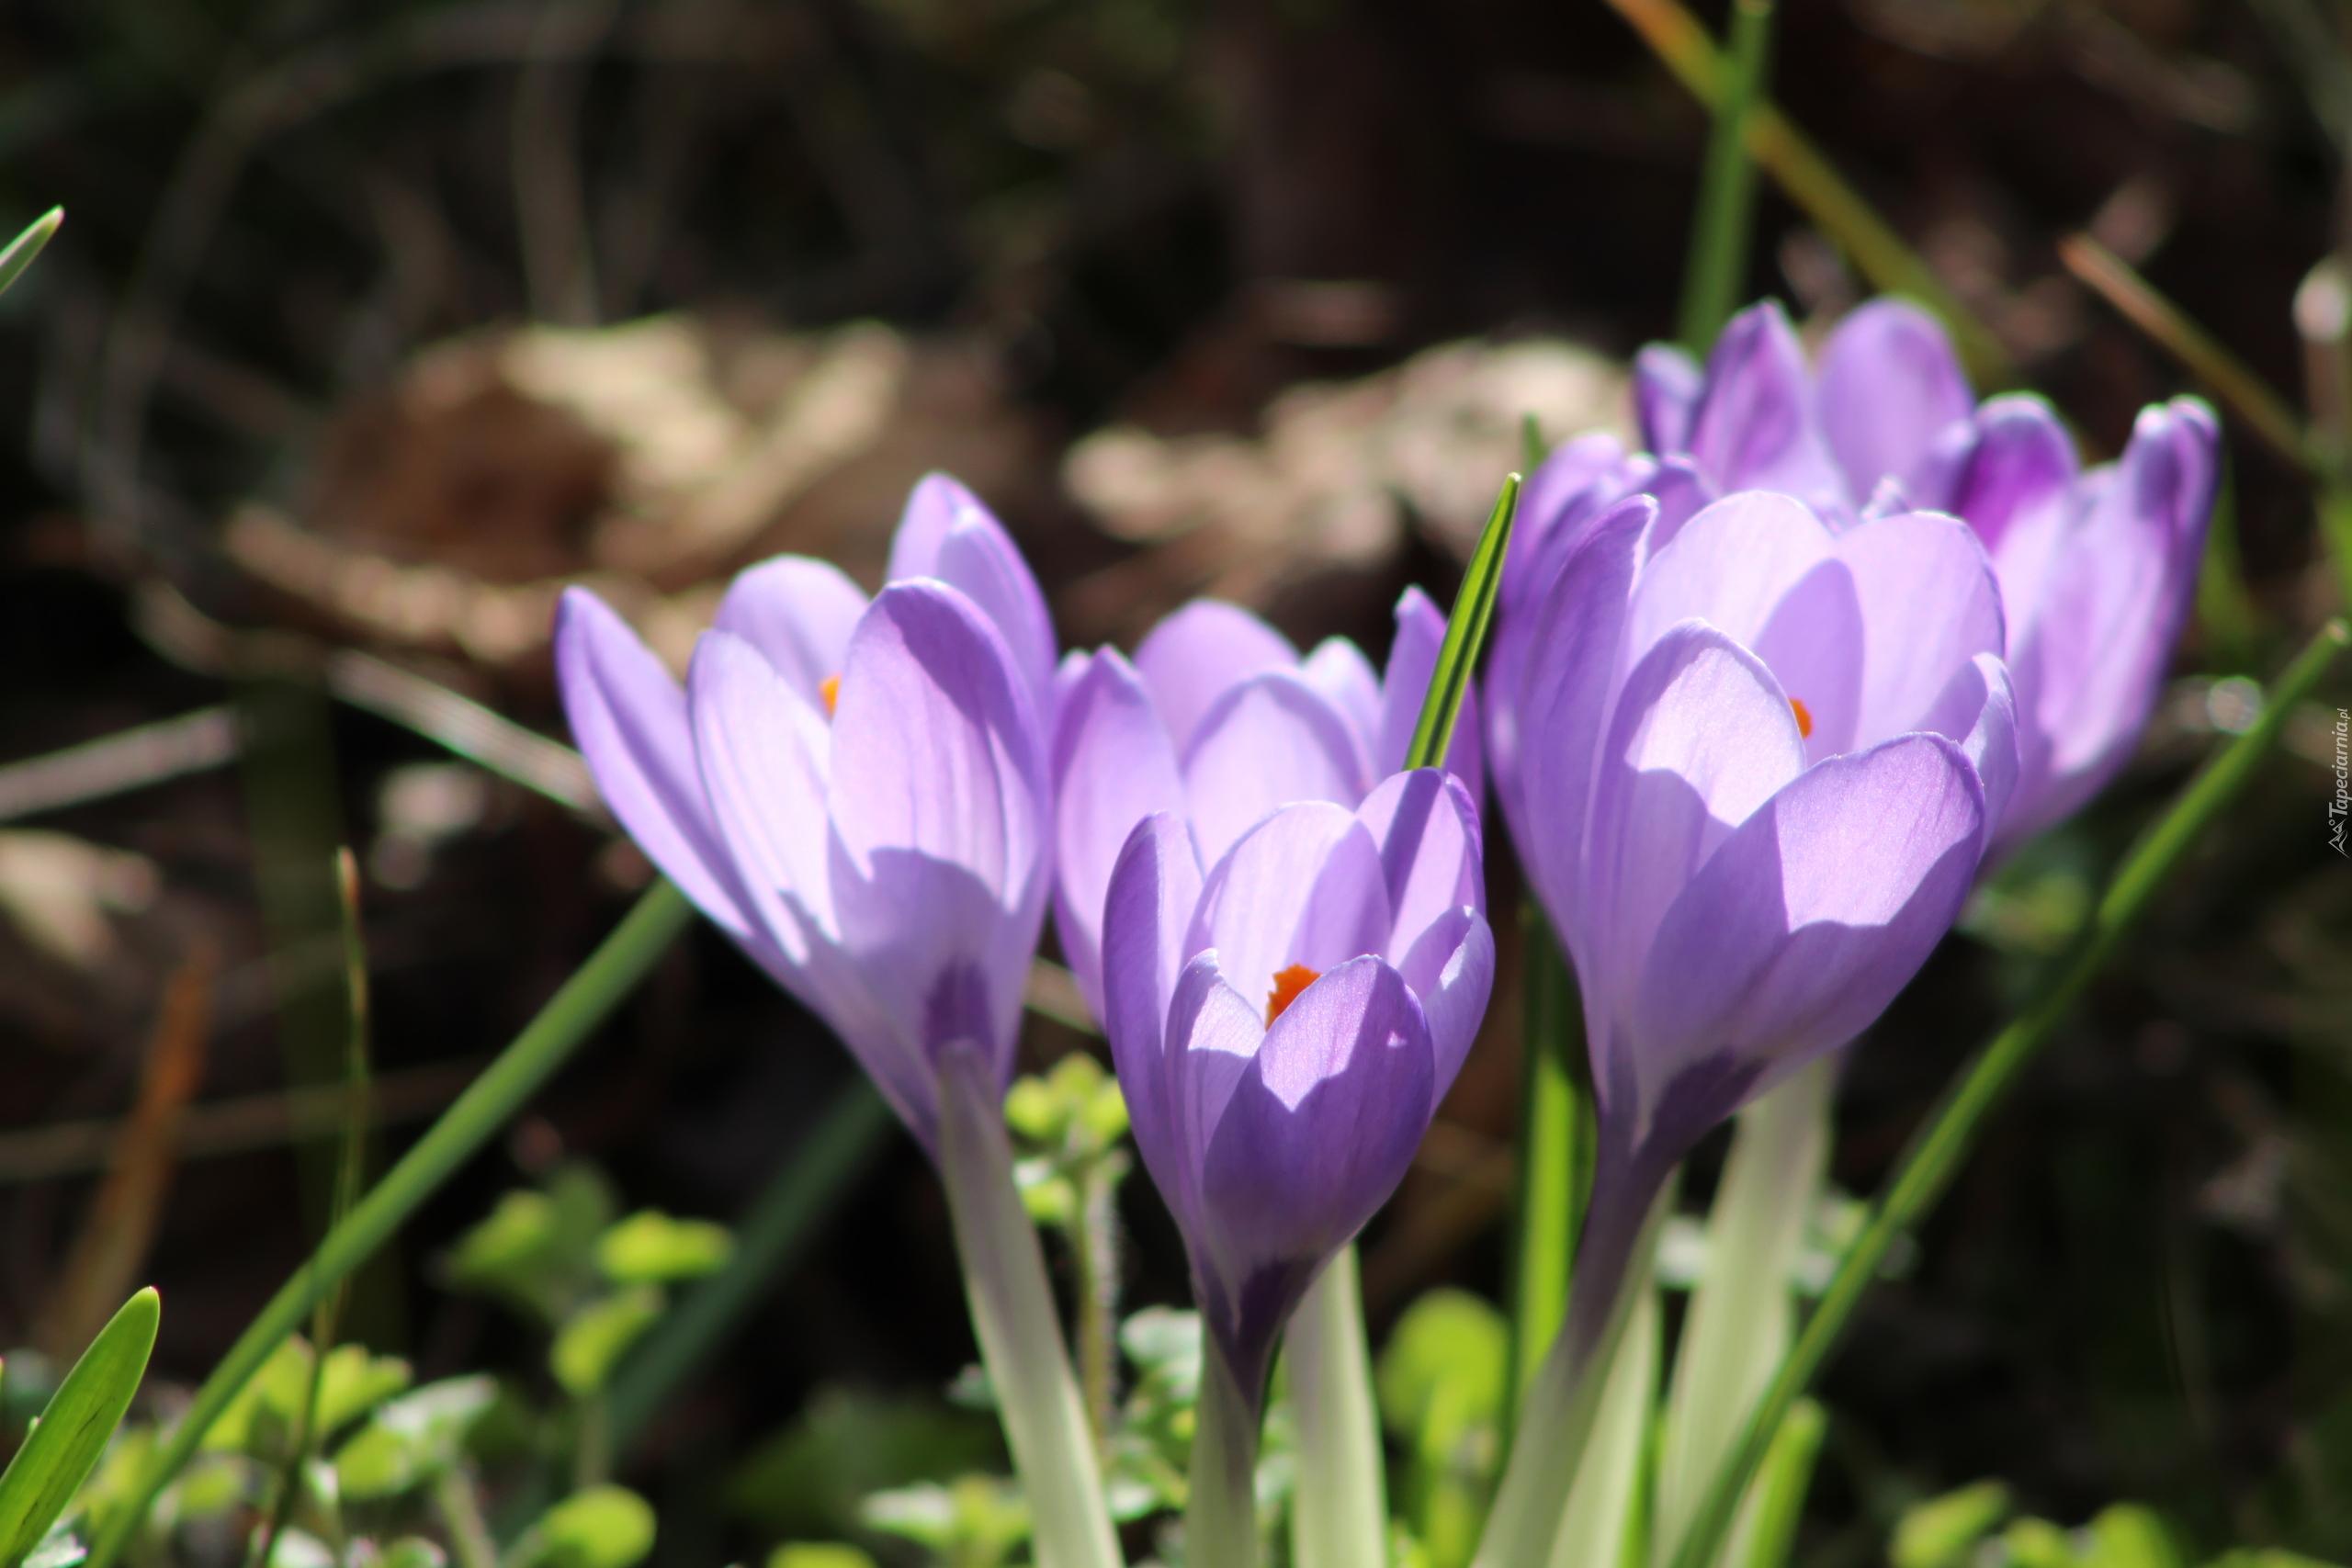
[(373, 323)]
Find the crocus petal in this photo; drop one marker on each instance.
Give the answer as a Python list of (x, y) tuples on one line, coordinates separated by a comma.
[(1452, 970), (1732, 565), (1929, 604), (939, 811), (1805, 924), (763, 751), (1702, 737), (1113, 766), (1145, 914), (1200, 652), (1754, 428), (1978, 709), (1428, 834), (1268, 741), (1327, 1116), (1566, 493), (1412, 662), (798, 613), (947, 534), (1338, 670), (1889, 386), (2018, 464), (1304, 886), (1212, 1033), (629, 718), (1667, 384)]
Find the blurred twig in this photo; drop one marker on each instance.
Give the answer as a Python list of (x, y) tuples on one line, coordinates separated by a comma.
[(1678, 39), (115, 765), (549, 194)]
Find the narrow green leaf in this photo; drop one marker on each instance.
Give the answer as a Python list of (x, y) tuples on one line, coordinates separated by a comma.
[(1777, 1500), (1716, 271), (1554, 1154), (592, 1339), (26, 245), (1928, 1164), (1465, 634), (60, 1451), (1942, 1530), (610, 974)]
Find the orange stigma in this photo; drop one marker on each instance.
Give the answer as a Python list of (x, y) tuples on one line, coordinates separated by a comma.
[(829, 688), (1288, 983), (1804, 720)]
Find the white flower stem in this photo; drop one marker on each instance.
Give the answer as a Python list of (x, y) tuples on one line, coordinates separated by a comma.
[(1221, 1515), (1742, 1316), (1019, 1331), (1557, 1414), (1339, 1507), (1602, 1505)]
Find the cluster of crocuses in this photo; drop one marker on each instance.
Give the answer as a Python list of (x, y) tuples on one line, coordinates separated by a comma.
[(1761, 701)]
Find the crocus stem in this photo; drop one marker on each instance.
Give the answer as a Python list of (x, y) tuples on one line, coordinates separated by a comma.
[(610, 974), (1768, 1525), (1741, 1317), (1221, 1515), (1554, 1116), (453, 1497), (1628, 1207), (1094, 1256), (1717, 268), (1935, 1153), (1339, 1507), (1013, 1317), (1602, 1505)]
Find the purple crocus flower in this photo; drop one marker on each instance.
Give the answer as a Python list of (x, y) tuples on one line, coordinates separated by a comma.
[(1218, 720), (1285, 1026), (1759, 758), (2097, 568), (855, 792)]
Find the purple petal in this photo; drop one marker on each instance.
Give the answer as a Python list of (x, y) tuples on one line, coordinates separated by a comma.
[(1146, 911), (1702, 737), (1113, 766), (1268, 742), (1452, 970), (1314, 1138), (941, 816), (1929, 604), (629, 718), (1412, 661), (947, 534), (798, 613), (1732, 565), (1754, 428), (1979, 710), (2015, 486), (1666, 387), (1809, 919), (1430, 844), (1889, 386), (765, 755), (1566, 494), (1212, 1035), (1305, 886), (1338, 670), (1200, 652)]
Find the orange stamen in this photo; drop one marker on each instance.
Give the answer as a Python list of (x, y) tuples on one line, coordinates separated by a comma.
[(829, 688), (1288, 983), (1804, 720)]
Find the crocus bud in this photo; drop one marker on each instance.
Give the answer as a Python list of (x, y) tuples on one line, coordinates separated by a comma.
[(1284, 1024), (855, 792)]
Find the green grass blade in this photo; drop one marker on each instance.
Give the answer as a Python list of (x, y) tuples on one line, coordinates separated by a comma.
[(1554, 1150), (1778, 1501), (591, 993), (1928, 1164), (26, 245), (1465, 634), (65, 1448), (1716, 273), (768, 1238)]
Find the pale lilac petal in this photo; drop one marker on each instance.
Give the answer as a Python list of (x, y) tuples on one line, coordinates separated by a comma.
[(1666, 386), (1889, 386), (1560, 709), (798, 613), (1754, 428), (1805, 924), (1312, 1140), (1702, 737), (1566, 493), (1430, 847), (932, 509), (939, 806), (1887, 500), (2019, 463), (1979, 710), (1200, 652), (1682, 492), (1452, 970), (1213, 1033), (1256, 901), (629, 718), (1731, 566), (947, 532), (1817, 648), (1268, 742), (1146, 912), (1929, 604), (765, 755), (1338, 670), (1412, 663), (1113, 766)]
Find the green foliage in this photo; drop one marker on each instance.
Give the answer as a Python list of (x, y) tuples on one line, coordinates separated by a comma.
[(540, 1251), (1944, 1530), (810, 1479), (261, 1421), (652, 1248), (594, 1337), (817, 1554), (1443, 1379), (974, 1522), (1072, 1120), (603, 1527), (413, 1438), (414, 1552), (1958, 1528), (65, 1444)]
